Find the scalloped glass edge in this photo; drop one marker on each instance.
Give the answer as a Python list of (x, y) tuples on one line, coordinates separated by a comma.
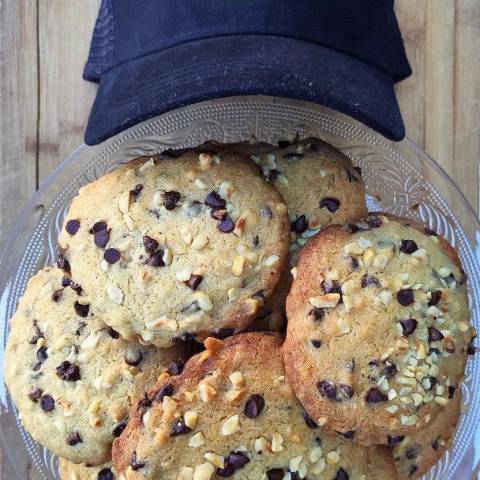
[(400, 178)]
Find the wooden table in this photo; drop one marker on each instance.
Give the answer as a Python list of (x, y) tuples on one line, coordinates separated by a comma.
[(44, 101)]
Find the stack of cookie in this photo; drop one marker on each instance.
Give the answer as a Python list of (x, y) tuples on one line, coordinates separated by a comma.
[(195, 252)]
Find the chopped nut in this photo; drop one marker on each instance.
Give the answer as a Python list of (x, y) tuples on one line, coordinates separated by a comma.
[(271, 260), (215, 459), (204, 471), (114, 294), (442, 401), (200, 242), (206, 392), (392, 409), (333, 457), (225, 189), (408, 420), (315, 454), (146, 166), (368, 256), (261, 445), (205, 161), (463, 327), (184, 275), (94, 407), (190, 418), (213, 345), (235, 394), (237, 379), (231, 425), (238, 265), (162, 323), (233, 293), (124, 202), (277, 442), (167, 257), (349, 287), (444, 272), (322, 421), (294, 464), (169, 406), (203, 301), (347, 302), (196, 440), (353, 249), (186, 473), (95, 421), (161, 436), (319, 467), (329, 300)]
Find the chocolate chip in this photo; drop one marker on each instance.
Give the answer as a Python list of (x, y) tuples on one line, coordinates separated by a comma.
[(149, 244), (144, 404), (408, 246), (118, 430), (68, 371), (331, 286), (411, 453), (66, 281), (76, 288), (156, 260), (273, 174), (275, 474), (136, 191), (341, 475), (224, 332), (170, 199), (47, 403), (255, 241), (434, 335), (309, 420), (266, 212), (429, 231), (471, 349), (293, 156), (113, 333), (233, 462), (111, 255), (42, 354), (63, 263), (327, 389), (218, 213), (408, 326), (284, 144), (81, 326), (435, 297), (226, 225), (176, 367), (318, 313), (214, 200), (57, 294), (369, 280), (186, 337), (37, 335), (395, 440), (405, 297), (101, 238), (105, 474), (331, 204), (300, 224), (353, 263), (35, 394), (134, 463), (74, 438), (170, 153), (98, 227), (316, 343), (451, 392), (346, 391), (259, 297), (254, 406), (81, 309), (348, 435), (374, 221), (433, 381), (179, 428), (413, 470), (351, 228), (390, 370), (435, 443), (194, 281), (374, 395), (72, 226), (165, 391)]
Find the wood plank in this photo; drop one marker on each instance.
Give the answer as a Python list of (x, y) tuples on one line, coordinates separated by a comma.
[(18, 104), (65, 29)]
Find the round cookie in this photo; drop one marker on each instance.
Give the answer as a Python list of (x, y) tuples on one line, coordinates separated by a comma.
[(320, 187), (416, 454), (378, 327), (72, 378), (170, 249), (232, 413), (81, 471)]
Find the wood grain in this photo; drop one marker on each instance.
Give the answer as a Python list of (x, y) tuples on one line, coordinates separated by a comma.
[(44, 102)]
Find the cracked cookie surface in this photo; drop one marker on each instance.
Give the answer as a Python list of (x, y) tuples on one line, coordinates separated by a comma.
[(232, 413), (379, 330), (178, 248)]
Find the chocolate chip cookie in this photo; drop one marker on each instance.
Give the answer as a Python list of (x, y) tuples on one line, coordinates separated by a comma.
[(72, 378), (232, 413), (320, 187), (177, 248), (379, 330), (81, 471), (416, 454)]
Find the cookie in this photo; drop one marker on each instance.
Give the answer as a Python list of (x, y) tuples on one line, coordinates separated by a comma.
[(232, 413), (81, 471), (320, 187), (416, 454), (378, 327), (71, 377), (177, 248)]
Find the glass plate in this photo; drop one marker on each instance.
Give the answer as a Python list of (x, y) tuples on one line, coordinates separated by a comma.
[(400, 179)]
